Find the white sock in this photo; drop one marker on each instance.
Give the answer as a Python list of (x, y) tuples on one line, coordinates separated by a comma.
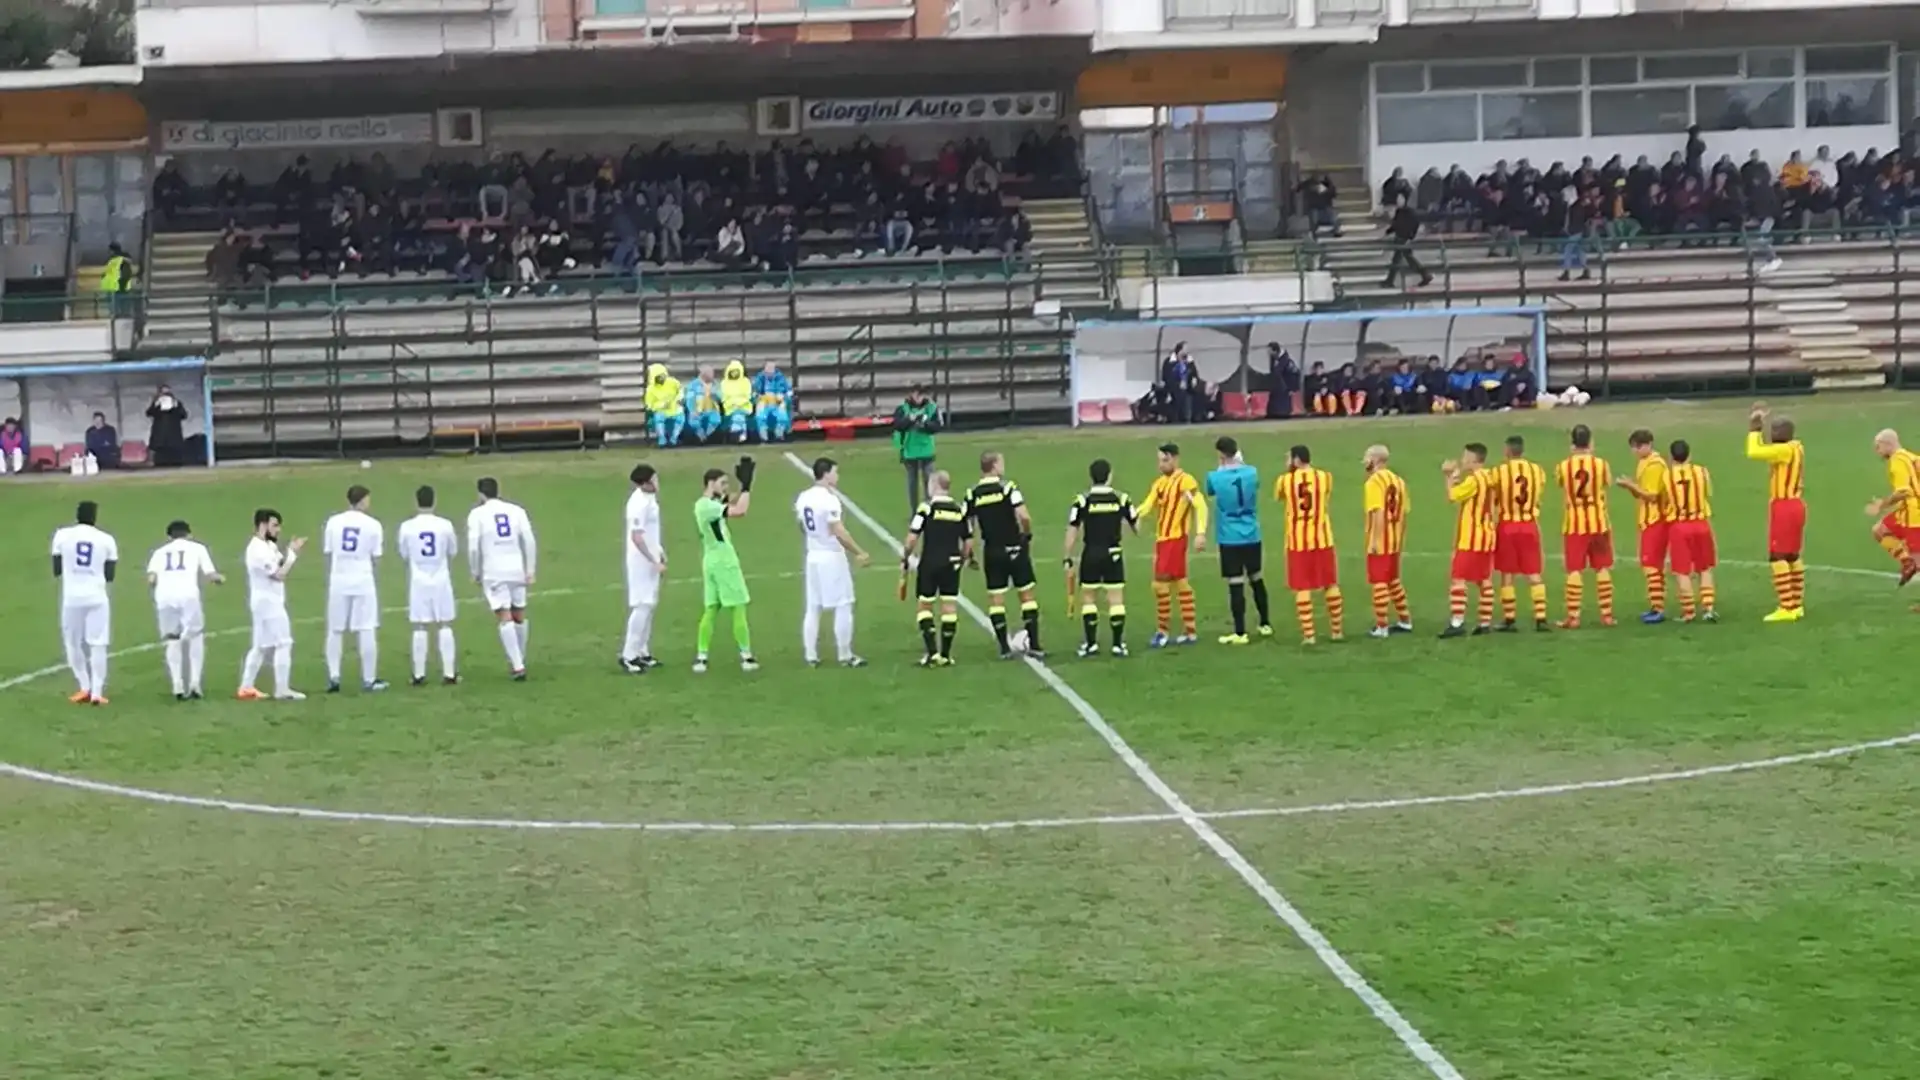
[(250, 669), (631, 648), (646, 630), (449, 662), (810, 634), (175, 662), (282, 669), (843, 630), (419, 653), (510, 641), (369, 656), (98, 665), (196, 662), (520, 628), (336, 645)]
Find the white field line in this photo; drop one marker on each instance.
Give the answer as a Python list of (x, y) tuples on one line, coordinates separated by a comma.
[(1382, 1009)]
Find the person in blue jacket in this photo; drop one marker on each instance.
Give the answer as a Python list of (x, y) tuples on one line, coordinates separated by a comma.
[(1405, 392), (1461, 382), (773, 403)]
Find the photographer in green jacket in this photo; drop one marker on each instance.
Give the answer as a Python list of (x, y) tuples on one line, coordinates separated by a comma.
[(914, 423)]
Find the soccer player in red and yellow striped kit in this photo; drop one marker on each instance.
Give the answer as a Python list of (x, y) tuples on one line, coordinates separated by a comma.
[(1475, 535), (1690, 540), (1899, 530), (1770, 439), (1518, 486), (1180, 519), (1586, 529), (1311, 564), (1385, 496), (1655, 518)]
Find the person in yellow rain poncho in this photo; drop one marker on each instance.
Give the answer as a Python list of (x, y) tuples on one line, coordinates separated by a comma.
[(703, 405), (665, 410), (736, 400)]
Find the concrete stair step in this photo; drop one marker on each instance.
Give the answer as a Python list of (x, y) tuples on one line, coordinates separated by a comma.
[(1811, 307), (1824, 330), (1863, 380), (1841, 355)]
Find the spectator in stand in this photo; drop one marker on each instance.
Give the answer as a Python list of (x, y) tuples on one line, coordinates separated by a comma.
[(1754, 172), (1406, 391), (1317, 197), (703, 404), (1689, 208), (1726, 210), (1429, 194), (675, 219), (373, 241), (229, 191), (1462, 200), (1283, 381), (1497, 218), (1880, 204), (525, 250), (469, 265), (1318, 390), (256, 263), (730, 245), (1696, 152), (1397, 188), (1654, 212), (1823, 164), (293, 191), (1586, 219), (1015, 232), (1763, 211), (412, 250), (1819, 207), (555, 253), (1402, 230), (223, 262), (166, 438), (626, 254), (13, 446), (772, 404), (170, 189), (103, 442), (1179, 374)]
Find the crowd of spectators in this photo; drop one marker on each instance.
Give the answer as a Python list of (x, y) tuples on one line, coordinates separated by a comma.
[(516, 223)]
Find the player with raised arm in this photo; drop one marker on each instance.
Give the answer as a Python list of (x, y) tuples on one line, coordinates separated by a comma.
[(829, 571), (1690, 544), (1312, 566), (1180, 519), (267, 569), (175, 571), (1771, 439), (1475, 535), (1235, 489), (1586, 528), (1898, 531), (428, 545), (353, 542), (723, 585), (646, 559), (941, 534), (1005, 528), (502, 556), (1648, 487), (84, 560), (1386, 504), (1094, 522), (1519, 487)]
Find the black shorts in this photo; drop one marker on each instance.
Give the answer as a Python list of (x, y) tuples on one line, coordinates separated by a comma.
[(937, 579), (1009, 568), (1240, 560), (1102, 568)]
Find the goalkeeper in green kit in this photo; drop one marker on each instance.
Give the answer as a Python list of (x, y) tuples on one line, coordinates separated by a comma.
[(725, 585)]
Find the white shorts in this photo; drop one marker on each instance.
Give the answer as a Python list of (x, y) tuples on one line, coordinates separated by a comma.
[(271, 628), (90, 623), (643, 585), (352, 611), (829, 580), (505, 595), (430, 603), (183, 619)]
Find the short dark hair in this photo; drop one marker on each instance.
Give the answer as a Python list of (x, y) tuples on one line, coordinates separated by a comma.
[(1478, 450), (1640, 437), (100, 416), (423, 496), (1170, 449), (177, 529), (1582, 437), (1680, 450), (1226, 445), (87, 512), (1300, 452), (356, 493), (711, 476), (1100, 471), (823, 466), (264, 515), (488, 487), (641, 473), (1517, 444)]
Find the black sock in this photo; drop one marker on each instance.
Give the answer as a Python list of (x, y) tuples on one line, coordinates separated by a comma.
[(1119, 627), (998, 617), (949, 625), (1237, 603), (1090, 625), (926, 631), (1030, 617), (1260, 601)]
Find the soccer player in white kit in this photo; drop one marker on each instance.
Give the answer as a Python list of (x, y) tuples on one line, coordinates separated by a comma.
[(84, 559), (501, 553), (829, 575), (427, 544), (175, 571), (353, 543), (646, 562), (267, 569)]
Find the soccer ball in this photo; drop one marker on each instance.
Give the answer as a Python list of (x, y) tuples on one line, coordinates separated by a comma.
[(1017, 641)]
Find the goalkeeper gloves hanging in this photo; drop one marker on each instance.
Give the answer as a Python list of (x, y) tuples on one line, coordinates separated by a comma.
[(743, 472)]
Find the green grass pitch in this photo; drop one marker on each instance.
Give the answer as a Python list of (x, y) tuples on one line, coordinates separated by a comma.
[(1746, 925)]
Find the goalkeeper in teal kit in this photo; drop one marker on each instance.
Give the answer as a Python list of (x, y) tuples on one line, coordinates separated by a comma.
[(723, 583)]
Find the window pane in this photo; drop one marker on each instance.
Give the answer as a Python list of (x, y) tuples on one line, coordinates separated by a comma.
[(1847, 59), (1739, 106), (1431, 119), (1694, 66), (1473, 76), (1563, 71), (1640, 112), (1769, 63), (1614, 70), (1400, 78), (1844, 102), (1531, 116)]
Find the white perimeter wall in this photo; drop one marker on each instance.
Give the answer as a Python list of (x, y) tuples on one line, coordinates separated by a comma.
[(284, 32)]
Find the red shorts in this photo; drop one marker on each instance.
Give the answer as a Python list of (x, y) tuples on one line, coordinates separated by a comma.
[(1909, 533), (1383, 569), (1691, 545), (1309, 570), (1170, 559), (1517, 550), (1786, 526), (1472, 565), (1588, 550), (1653, 544)]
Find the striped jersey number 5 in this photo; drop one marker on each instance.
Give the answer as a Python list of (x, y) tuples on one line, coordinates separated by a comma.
[(1303, 497)]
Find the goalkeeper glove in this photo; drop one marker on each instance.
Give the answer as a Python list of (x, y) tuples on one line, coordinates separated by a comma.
[(743, 472)]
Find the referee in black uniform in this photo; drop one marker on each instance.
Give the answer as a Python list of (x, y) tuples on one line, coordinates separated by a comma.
[(942, 535), (1094, 522), (999, 512)]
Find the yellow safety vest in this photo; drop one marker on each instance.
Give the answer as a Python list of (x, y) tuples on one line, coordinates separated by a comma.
[(110, 277)]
